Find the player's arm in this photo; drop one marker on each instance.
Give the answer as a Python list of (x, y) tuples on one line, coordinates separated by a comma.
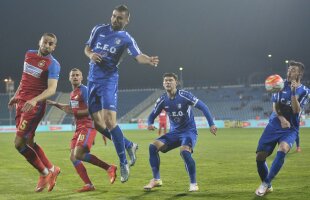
[(60, 106), (283, 121), (13, 100), (145, 59), (157, 109), (50, 91), (92, 55), (81, 113), (294, 98), (206, 112)]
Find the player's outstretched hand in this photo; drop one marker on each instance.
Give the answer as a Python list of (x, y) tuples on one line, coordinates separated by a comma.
[(12, 103), (50, 102), (151, 127), (213, 129), (154, 60)]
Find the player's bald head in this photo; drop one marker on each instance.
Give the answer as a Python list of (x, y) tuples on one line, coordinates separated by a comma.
[(52, 35), (123, 8)]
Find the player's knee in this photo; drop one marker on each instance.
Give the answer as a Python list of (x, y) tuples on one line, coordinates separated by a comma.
[(99, 127), (153, 148), (72, 158), (79, 155), (111, 124), (261, 156), (284, 147), (19, 144)]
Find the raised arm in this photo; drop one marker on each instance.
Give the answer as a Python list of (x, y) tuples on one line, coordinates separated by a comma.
[(205, 110), (145, 59), (294, 98)]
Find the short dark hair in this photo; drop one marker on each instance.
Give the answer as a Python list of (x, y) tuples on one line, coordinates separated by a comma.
[(122, 8), (171, 74), (76, 70), (301, 67), (52, 35)]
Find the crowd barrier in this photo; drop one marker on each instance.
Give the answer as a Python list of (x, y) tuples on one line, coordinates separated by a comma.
[(200, 123)]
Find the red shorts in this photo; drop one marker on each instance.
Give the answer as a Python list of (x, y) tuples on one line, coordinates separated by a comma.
[(27, 122), (83, 137), (162, 125)]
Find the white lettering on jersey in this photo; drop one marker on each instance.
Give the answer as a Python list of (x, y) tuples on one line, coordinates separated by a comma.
[(32, 70), (74, 104), (105, 47)]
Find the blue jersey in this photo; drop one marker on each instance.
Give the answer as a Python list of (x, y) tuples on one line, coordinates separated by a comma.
[(178, 110), (283, 98), (111, 45)]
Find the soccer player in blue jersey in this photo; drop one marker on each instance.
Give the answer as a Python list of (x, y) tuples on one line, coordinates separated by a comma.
[(183, 133), (283, 126), (105, 49)]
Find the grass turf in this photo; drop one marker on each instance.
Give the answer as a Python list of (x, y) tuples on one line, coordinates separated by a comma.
[(226, 169)]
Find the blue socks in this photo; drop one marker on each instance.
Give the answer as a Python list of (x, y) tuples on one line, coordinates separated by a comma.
[(118, 140), (262, 169), (297, 141), (190, 165), (275, 167), (107, 134), (154, 161)]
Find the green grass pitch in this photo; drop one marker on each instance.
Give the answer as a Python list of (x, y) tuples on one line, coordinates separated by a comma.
[(226, 169)]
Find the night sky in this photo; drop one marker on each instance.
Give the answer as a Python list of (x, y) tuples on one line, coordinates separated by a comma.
[(216, 42)]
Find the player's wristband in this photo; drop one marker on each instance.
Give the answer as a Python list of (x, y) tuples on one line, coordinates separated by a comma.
[(293, 93)]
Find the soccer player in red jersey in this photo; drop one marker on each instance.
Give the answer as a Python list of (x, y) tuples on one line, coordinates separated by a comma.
[(162, 117), (38, 82), (85, 133)]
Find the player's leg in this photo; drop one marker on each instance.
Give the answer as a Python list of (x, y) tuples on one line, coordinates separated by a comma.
[(286, 142), (82, 172), (188, 141), (154, 160), (82, 152), (298, 149), (118, 140), (79, 166), (130, 147), (159, 129), (265, 147), (25, 130)]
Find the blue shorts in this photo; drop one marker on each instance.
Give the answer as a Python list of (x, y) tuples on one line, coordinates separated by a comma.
[(102, 95), (273, 136), (173, 140)]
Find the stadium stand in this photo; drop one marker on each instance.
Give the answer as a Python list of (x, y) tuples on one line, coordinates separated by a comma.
[(235, 102)]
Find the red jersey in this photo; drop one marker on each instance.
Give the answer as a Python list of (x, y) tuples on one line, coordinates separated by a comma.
[(162, 117), (78, 101), (37, 70)]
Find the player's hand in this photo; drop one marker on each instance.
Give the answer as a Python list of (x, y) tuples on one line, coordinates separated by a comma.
[(151, 127), (294, 85), (285, 124), (213, 129), (67, 109), (12, 103), (154, 60), (96, 57), (29, 105)]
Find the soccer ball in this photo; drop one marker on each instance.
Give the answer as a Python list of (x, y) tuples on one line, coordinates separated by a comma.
[(274, 83)]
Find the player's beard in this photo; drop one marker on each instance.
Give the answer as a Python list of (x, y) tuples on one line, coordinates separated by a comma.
[(44, 52)]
